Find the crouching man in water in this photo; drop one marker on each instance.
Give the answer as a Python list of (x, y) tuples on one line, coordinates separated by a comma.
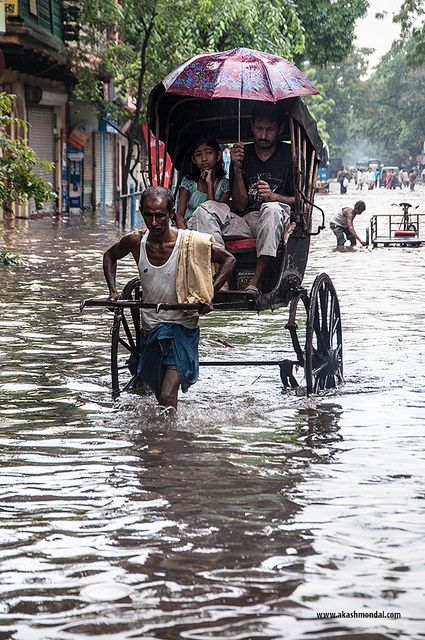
[(343, 227), (174, 266)]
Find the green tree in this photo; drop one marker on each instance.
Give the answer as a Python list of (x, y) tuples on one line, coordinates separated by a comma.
[(135, 44), (145, 41), (392, 114), (341, 86), (329, 28), (19, 180), (412, 22)]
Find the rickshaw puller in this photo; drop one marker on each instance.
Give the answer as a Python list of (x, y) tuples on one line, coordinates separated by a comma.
[(172, 264)]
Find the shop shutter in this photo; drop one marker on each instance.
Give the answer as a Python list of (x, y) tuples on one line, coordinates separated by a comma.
[(98, 169), (88, 174), (109, 169), (41, 138)]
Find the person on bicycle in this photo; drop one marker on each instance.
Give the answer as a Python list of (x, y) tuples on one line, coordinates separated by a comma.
[(343, 227)]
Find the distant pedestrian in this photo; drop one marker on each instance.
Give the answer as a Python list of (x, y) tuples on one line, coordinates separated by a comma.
[(370, 179), (360, 180), (376, 176), (343, 182), (389, 179), (343, 228), (413, 176), (405, 178)]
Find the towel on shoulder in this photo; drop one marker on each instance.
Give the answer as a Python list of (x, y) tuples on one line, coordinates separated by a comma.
[(194, 279)]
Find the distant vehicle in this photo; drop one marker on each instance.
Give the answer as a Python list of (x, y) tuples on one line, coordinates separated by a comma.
[(335, 164), (383, 173), (362, 165), (374, 163)]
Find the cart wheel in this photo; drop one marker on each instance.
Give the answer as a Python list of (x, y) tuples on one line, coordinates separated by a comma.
[(323, 345), (125, 341)]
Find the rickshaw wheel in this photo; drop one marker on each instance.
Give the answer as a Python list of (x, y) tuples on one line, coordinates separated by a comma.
[(323, 345), (125, 341)]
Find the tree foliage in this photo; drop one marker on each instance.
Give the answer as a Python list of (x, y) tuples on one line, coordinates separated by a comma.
[(145, 40), (19, 180), (392, 110), (329, 28), (341, 93), (412, 21)]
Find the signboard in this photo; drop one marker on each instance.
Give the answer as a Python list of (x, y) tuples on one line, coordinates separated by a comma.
[(11, 8), (79, 136), (106, 127), (2, 17), (75, 185)]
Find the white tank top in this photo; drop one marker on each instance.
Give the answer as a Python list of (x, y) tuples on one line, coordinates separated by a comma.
[(340, 219), (159, 285)]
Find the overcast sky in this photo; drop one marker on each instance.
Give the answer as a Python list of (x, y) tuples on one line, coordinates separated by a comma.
[(378, 34)]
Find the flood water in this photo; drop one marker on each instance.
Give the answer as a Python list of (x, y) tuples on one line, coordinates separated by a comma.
[(250, 515)]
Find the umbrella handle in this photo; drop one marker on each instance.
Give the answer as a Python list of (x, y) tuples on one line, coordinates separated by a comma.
[(239, 120)]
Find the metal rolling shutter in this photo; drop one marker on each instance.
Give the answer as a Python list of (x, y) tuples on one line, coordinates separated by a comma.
[(88, 175), (109, 169), (41, 138), (98, 168)]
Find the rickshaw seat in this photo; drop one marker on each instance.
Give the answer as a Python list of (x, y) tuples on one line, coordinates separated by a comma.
[(243, 245)]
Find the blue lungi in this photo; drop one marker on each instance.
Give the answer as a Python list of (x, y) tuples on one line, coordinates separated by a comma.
[(169, 344)]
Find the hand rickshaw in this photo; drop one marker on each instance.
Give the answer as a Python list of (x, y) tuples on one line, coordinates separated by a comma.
[(175, 121)]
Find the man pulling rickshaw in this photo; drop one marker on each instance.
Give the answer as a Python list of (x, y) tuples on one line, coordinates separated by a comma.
[(181, 109)]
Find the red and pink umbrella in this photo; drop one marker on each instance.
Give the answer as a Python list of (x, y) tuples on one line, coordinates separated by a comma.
[(239, 73)]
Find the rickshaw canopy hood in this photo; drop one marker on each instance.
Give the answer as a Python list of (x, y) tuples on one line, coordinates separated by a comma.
[(178, 120)]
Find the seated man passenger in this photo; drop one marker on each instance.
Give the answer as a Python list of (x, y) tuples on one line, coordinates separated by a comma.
[(206, 180), (262, 193)]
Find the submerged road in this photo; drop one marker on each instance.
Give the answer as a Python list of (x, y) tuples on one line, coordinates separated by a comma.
[(256, 513)]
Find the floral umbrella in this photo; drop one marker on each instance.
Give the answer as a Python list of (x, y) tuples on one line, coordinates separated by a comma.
[(239, 73)]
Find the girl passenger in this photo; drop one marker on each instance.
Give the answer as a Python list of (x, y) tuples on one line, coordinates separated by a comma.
[(206, 180)]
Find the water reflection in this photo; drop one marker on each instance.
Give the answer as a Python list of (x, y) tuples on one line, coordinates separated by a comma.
[(246, 515)]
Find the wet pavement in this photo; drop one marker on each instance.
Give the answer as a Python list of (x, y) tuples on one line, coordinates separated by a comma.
[(252, 514)]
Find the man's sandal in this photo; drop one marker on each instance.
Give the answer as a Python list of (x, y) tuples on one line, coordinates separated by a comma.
[(252, 291)]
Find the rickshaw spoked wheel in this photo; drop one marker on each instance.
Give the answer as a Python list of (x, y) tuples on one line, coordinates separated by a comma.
[(323, 346), (125, 341)]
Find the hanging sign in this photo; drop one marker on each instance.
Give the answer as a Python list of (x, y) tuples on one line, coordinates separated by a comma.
[(11, 8)]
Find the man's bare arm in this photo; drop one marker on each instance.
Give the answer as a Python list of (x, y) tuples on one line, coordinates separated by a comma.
[(351, 228), (129, 243), (226, 263), (239, 192)]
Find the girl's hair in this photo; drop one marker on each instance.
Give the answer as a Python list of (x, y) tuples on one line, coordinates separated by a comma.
[(194, 171)]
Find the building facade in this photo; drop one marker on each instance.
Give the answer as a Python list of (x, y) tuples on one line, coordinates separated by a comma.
[(35, 71), (88, 153)]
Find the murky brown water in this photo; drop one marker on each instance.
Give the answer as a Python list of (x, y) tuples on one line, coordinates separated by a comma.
[(254, 511)]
